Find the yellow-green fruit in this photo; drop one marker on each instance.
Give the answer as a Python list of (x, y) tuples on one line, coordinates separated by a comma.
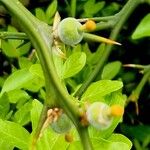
[(69, 31), (97, 115), (62, 125)]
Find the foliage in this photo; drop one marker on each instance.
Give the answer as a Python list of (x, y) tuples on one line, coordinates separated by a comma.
[(35, 78)]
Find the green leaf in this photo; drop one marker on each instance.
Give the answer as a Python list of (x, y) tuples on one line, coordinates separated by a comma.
[(12, 48), (38, 78), (111, 9), (51, 10), (58, 62), (120, 138), (111, 70), (2, 80), (17, 80), (40, 14), (143, 29), (75, 145), (74, 64), (35, 84), (4, 106), (103, 144), (5, 146), (22, 116), (8, 49), (55, 141), (98, 54), (35, 113), (139, 132), (14, 134), (17, 95), (24, 62), (36, 69), (91, 8), (101, 88)]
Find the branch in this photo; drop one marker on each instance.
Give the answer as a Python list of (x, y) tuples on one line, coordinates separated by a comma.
[(136, 93), (13, 35), (125, 13)]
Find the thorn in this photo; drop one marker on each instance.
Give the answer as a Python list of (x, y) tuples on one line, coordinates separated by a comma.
[(109, 41)]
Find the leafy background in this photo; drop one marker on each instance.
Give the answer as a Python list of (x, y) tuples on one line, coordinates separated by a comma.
[(22, 81)]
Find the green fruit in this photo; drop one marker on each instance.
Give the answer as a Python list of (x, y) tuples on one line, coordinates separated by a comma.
[(62, 125), (69, 31), (97, 115)]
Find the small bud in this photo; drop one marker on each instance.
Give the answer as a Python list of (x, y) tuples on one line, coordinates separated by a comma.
[(117, 110), (90, 25), (68, 137)]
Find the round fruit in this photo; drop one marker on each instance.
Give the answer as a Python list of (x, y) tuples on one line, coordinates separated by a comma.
[(62, 125), (69, 31), (98, 115)]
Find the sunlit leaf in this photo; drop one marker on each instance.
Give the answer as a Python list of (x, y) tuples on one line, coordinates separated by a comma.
[(24, 62), (40, 14), (36, 69), (51, 9), (111, 70), (22, 116), (143, 29), (74, 64), (4, 105), (17, 80), (17, 95), (101, 88), (14, 134)]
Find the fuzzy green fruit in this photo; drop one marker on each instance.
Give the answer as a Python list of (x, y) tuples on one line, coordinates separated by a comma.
[(69, 31), (97, 115), (62, 125)]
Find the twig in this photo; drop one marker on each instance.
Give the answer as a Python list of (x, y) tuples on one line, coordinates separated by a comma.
[(125, 13)]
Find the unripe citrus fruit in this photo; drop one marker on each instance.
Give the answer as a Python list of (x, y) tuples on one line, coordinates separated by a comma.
[(69, 31), (97, 115), (62, 125)]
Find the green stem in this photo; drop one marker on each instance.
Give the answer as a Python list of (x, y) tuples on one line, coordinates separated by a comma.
[(13, 35), (38, 129), (104, 25), (85, 139), (107, 18), (125, 13), (73, 8), (136, 66), (136, 93)]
